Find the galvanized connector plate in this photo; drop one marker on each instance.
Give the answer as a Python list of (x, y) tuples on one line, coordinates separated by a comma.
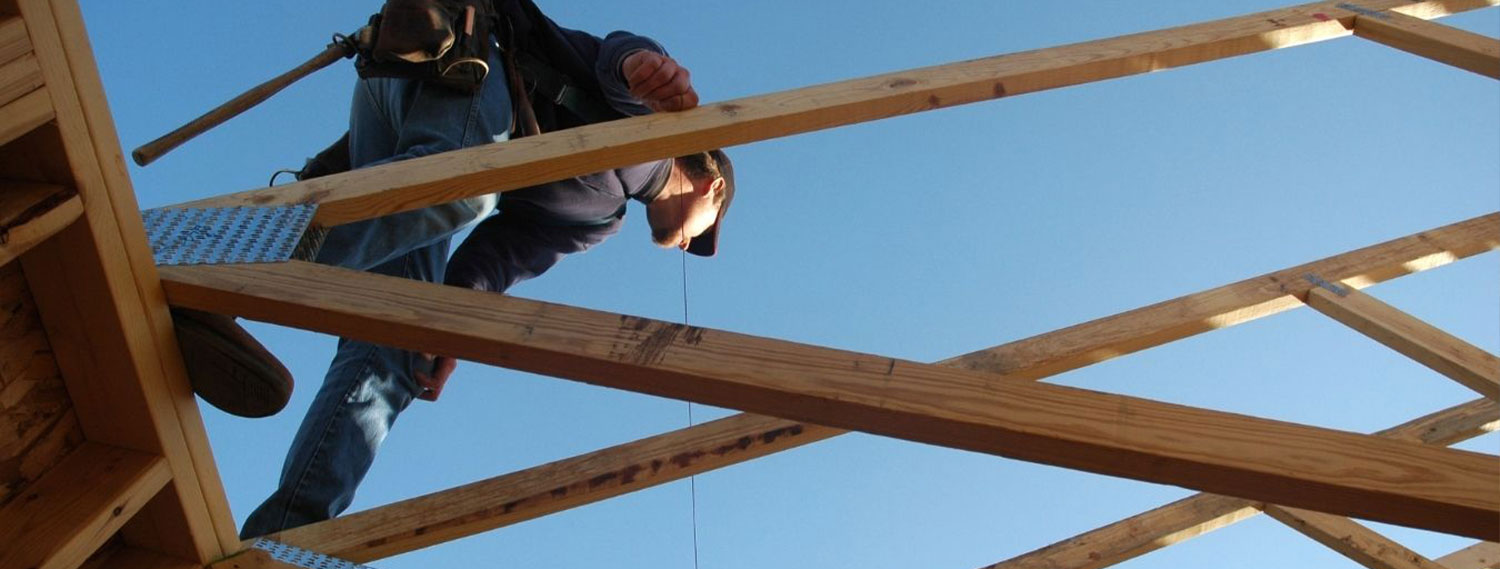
[(293, 555), (206, 236)]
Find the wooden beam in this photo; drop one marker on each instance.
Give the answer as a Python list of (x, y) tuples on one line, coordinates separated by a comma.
[(1201, 513), (18, 78), (133, 558), (1482, 555), (1350, 539), (1154, 325), (13, 39), (1444, 353), (1459, 48), (412, 184), (64, 517), (385, 533), (104, 311), (513, 498), (24, 114), (32, 213), (1437, 489), (1137, 535)]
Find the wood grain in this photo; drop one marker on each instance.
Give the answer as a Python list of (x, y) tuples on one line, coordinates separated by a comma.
[(1437, 489), (1202, 513), (24, 114), (1482, 555), (387, 535), (13, 39), (1459, 48), (31, 213), (63, 518), (1253, 298), (1428, 345), (513, 498), (37, 425), (1350, 539), (18, 78), (450, 176), (116, 354)]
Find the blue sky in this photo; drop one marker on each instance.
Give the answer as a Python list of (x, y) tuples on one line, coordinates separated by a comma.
[(920, 237)]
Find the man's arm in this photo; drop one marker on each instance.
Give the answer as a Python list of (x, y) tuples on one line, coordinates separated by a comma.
[(635, 73), (507, 248)]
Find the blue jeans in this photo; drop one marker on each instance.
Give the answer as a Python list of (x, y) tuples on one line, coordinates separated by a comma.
[(367, 385)]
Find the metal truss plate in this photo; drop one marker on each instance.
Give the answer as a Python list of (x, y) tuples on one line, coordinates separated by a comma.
[(293, 555), (205, 236)]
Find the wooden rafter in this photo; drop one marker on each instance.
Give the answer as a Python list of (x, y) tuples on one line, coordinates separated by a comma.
[(419, 522), (1459, 48), (1459, 360), (1351, 539), (1199, 514), (409, 525), (77, 506), (1438, 489), (412, 184), (101, 304), (1482, 555)]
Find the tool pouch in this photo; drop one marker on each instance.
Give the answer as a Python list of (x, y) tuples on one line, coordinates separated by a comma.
[(441, 41)]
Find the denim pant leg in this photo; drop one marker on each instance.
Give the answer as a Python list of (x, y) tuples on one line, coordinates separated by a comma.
[(367, 386), (398, 119)]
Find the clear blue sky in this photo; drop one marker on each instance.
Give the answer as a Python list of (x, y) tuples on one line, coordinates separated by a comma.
[(921, 237)]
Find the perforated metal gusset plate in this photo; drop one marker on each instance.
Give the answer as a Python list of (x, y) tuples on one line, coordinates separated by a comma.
[(200, 236), (293, 555)]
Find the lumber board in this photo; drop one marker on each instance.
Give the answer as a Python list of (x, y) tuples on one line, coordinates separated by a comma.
[(1482, 555), (69, 513), (1350, 474), (31, 213), (24, 114), (37, 425), (135, 558), (19, 77), (13, 39), (1432, 347), (117, 353), (443, 516), (1351, 539), (1201, 513), (172, 388), (1445, 44), (1253, 298), (1137, 535), (384, 533), (412, 184)]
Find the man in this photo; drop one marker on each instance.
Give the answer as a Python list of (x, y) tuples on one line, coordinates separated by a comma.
[(367, 385)]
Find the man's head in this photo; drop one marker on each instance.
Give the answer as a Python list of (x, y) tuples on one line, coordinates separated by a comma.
[(688, 212)]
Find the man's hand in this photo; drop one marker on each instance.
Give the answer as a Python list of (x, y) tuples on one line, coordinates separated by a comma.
[(659, 82), (432, 385)]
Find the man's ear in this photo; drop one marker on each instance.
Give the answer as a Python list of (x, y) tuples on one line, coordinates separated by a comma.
[(715, 187)]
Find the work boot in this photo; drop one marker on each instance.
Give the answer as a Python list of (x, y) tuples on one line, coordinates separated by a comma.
[(228, 368)]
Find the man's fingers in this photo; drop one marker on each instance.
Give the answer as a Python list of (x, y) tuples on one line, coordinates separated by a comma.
[(659, 82), (640, 67), (661, 76), (675, 95)]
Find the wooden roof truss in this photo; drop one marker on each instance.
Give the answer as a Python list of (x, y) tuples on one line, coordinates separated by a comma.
[(137, 486)]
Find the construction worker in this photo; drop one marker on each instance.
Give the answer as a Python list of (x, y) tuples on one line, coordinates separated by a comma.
[(545, 78)]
